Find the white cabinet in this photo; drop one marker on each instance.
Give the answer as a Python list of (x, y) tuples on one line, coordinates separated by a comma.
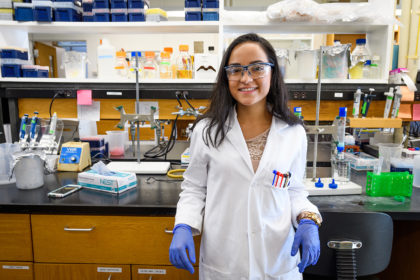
[(148, 35)]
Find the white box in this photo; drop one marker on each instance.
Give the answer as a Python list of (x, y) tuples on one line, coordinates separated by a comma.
[(117, 183), (205, 66)]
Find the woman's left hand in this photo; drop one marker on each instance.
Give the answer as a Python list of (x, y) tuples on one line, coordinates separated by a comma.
[(307, 236)]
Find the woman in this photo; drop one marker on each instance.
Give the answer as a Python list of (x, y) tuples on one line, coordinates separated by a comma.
[(230, 194)]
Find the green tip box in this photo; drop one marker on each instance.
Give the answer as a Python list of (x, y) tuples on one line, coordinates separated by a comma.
[(389, 184)]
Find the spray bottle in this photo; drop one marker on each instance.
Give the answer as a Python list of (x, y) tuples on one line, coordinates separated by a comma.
[(389, 96), (356, 103)]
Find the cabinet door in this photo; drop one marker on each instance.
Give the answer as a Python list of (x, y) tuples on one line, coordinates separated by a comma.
[(147, 272), (15, 238), (16, 270), (46, 271), (102, 239)]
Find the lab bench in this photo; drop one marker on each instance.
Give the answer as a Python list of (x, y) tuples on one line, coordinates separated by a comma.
[(128, 235)]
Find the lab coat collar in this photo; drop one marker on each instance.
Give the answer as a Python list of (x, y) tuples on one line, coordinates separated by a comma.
[(235, 136)]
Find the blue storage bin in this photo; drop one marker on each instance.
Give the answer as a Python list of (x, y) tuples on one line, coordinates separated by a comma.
[(101, 16), (67, 12), (43, 71), (136, 15), (88, 18), (100, 4), (23, 55), (29, 71), (119, 15), (135, 4), (210, 16), (23, 11), (10, 70), (192, 3), (43, 11), (118, 4), (210, 4), (87, 7), (9, 53), (193, 16)]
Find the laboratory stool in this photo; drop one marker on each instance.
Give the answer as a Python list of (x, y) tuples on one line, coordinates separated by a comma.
[(352, 245)]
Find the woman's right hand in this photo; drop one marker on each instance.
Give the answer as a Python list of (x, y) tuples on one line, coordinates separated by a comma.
[(181, 242)]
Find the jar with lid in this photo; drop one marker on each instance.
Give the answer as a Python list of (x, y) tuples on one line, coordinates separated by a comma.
[(173, 60), (150, 67), (121, 64), (165, 70), (183, 63)]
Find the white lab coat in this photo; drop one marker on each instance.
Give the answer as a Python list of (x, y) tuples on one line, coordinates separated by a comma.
[(247, 230)]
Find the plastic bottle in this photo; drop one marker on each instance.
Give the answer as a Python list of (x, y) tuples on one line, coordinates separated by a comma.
[(375, 71), (133, 65), (173, 60), (341, 130), (121, 65), (367, 74), (183, 63), (165, 69), (358, 58), (389, 96), (356, 103), (106, 60), (150, 68)]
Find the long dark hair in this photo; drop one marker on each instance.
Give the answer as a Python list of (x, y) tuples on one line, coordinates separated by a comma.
[(221, 101)]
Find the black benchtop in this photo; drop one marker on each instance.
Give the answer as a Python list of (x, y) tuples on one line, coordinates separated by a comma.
[(159, 198)]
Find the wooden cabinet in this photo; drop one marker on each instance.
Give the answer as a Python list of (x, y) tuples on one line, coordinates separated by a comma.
[(144, 272), (15, 238), (102, 239), (16, 271), (47, 271)]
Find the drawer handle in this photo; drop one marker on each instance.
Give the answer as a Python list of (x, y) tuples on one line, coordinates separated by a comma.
[(78, 229), (169, 231)]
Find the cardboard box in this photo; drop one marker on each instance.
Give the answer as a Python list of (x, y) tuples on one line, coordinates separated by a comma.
[(117, 183)]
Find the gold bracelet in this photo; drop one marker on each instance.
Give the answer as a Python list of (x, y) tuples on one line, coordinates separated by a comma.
[(309, 215)]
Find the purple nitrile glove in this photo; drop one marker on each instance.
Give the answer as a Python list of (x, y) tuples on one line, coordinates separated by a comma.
[(181, 242), (306, 235)]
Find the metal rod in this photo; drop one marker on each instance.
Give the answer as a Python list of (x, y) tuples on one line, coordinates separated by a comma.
[(318, 101), (137, 107)]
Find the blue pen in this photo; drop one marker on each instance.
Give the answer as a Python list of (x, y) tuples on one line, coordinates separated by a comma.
[(275, 174), (23, 126), (34, 122)]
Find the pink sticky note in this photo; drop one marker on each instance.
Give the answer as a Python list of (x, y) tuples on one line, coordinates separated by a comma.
[(416, 112), (84, 97)]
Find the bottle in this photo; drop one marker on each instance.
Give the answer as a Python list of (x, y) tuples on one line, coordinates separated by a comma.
[(183, 63), (106, 60), (297, 111), (375, 71), (173, 60), (133, 65), (356, 103), (358, 58), (165, 70), (341, 129), (150, 68), (367, 70), (121, 65)]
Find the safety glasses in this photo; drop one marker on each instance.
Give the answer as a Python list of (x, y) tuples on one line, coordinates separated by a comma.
[(255, 71)]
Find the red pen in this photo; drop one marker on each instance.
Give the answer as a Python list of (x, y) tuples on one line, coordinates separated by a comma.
[(282, 177), (277, 179)]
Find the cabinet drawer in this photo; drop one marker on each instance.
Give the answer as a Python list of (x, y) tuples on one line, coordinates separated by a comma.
[(102, 239), (46, 271), (15, 238), (143, 272), (16, 270)]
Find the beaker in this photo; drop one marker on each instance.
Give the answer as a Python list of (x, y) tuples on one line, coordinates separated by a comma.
[(386, 152), (6, 151), (29, 171), (116, 140), (340, 169), (75, 65), (307, 63), (283, 60), (335, 62)]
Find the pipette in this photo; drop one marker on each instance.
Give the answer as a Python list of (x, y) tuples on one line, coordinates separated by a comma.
[(389, 96), (34, 122), (23, 126), (397, 102), (367, 98), (356, 103)]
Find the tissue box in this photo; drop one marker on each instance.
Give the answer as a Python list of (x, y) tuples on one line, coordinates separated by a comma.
[(117, 183)]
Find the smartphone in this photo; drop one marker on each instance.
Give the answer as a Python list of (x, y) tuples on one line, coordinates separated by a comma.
[(64, 191)]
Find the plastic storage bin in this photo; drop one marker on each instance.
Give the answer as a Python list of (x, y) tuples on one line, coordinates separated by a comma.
[(23, 11), (101, 15), (389, 184), (193, 16), (14, 53), (6, 14), (100, 4), (43, 71), (210, 4), (136, 15), (43, 11), (65, 11), (10, 70), (210, 15), (6, 4), (118, 4), (87, 5), (361, 161), (135, 4), (192, 3), (29, 71), (119, 15), (88, 16)]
